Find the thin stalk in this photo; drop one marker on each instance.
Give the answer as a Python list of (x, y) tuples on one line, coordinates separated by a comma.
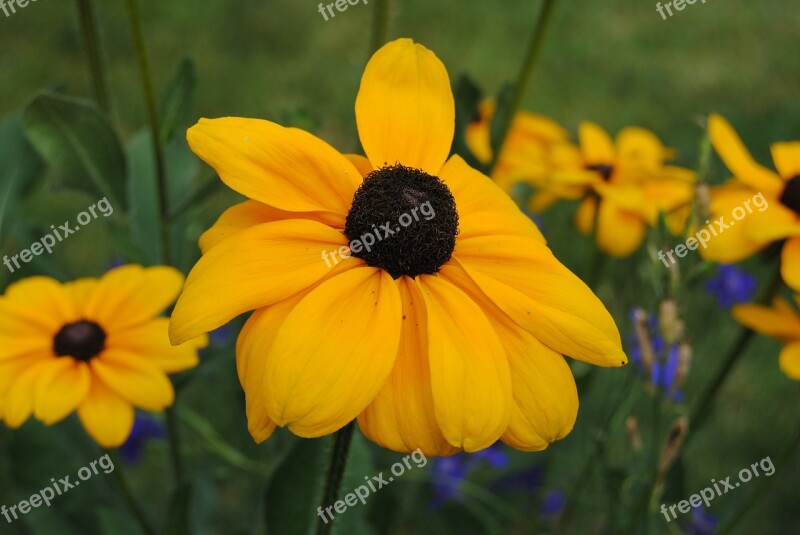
[(128, 495), (92, 42), (173, 432), (137, 30), (333, 481), (529, 65), (380, 24), (701, 408)]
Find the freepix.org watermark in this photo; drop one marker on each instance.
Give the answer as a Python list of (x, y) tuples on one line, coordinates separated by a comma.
[(341, 7), (48, 241), (679, 5), (718, 488), (705, 234), (62, 486), (379, 233), (375, 484)]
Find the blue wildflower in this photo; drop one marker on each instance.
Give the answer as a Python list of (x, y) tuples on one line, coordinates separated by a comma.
[(701, 523), (553, 503), (449, 473), (144, 428), (731, 285)]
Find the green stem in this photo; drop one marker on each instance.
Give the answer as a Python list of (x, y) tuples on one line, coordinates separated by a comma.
[(173, 431), (701, 408), (333, 482), (526, 72), (93, 56), (380, 24), (152, 117), (127, 493)]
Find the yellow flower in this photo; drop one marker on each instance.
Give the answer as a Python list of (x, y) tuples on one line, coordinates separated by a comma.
[(631, 180), (92, 345), (781, 190), (446, 334), (780, 322), (525, 153)]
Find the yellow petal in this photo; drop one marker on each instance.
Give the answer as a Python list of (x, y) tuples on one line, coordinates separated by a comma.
[(106, 416), (36, 301), (12, 368), (528, 283), (402, 417), (779, 322), (786, 156), (736, 243), (150, 341), (483, 208), (248, 214), (738, 160), (333, 352), (790, 263), (361, 163), (131, 295), (790, 360), (135, 380), (405, 109), (469, 371), (252, 348), (282, 167), (254, 268), (545, 395), (641, 148), (596, 145), (773, 222), (619, 232), (60, 389), (18, 402)]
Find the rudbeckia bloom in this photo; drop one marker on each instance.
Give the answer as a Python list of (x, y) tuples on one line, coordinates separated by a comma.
[(525, 153), (779, 216), (444, 334), (781, 322), (630, 179), (95, 346)]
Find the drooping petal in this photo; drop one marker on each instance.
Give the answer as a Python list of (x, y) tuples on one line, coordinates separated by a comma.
[(134, 379), (150, 341), (282, 167), (483, 208), (402, 416), (333, 353), (738, 160), (545, 395), (252, 269), (131, 295), (790, 263), (405, 109), (60, 389), (106, 416), (596, 145), (18, 402), (469, 370), (786, 156), (779, 322), (789, 360), (525, 280), (619, 232)]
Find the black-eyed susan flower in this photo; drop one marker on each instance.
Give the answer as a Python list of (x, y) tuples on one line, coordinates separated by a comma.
[(95, 346), (776, 194), (525, 155), (444, 333), (629, 178), (781, 322)]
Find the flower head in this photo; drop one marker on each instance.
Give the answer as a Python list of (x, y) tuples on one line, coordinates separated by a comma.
[(404, 288), (772, 199), (731, 285), (781, 322), (95, 346)]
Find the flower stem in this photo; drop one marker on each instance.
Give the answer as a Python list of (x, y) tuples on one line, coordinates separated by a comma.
[(701, 408), (526, 72), (92, 42), (173, 431), (333, 482), (380, 24), (127, 493), (135, 19)]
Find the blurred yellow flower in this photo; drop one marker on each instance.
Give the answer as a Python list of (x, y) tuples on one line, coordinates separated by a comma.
[(781, 190), (445, 335), (92, 345), (781, 322)]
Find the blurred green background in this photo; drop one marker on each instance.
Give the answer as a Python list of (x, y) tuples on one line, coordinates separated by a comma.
[(616, 63)]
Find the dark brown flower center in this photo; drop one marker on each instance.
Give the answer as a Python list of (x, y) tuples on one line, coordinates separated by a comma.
[(82, 340), (791, 194), (403, 221), (605, 170)]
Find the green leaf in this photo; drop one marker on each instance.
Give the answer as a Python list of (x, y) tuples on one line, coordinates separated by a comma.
[(176, 108), (20, 166), (78, 143), (503, 103)]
